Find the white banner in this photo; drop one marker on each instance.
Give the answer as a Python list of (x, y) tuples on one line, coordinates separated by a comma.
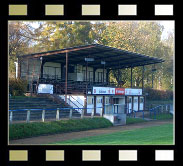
[(45, 88), (129, 91), (103, 90)]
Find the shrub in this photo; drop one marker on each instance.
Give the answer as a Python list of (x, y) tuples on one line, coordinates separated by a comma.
[(23, 130), (17, 87), (155, 94)]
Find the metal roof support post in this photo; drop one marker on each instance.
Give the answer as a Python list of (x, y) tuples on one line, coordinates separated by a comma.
[(152, 79), (103, 72), (94, 70), (107, 76), (131, 76), (66, 72), (142, 79), (41, 69), (19, 67), (86, 82)]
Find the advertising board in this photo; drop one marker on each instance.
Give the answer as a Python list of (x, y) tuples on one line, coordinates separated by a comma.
[(45, 88)]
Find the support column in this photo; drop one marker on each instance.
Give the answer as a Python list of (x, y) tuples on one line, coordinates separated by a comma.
[(103, 109), (107, 76), (95, 104), (94, 70), (66, 71), (19, 67), (131, 76), (103, 74), (142, 79), (118, 77), (42, 64), (86, 90)]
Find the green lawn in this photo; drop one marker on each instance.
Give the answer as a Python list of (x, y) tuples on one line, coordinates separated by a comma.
[(130, 120), (162, 116), (158, 135)]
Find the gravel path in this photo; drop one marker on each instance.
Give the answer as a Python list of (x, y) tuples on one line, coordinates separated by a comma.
[(40, 140)]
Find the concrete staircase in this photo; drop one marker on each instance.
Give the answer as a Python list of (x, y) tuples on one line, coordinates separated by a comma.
[(44, 102)]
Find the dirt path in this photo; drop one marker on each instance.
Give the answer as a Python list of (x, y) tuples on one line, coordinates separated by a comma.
[(40, 140)]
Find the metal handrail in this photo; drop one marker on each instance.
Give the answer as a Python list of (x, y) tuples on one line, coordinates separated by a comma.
[(50, 109)]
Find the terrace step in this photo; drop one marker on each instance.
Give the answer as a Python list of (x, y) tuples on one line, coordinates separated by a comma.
[(39, 103)]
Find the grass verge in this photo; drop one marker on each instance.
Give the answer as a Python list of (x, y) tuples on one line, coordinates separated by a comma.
[(156, 135), (24, 130), (130, 120), (163, 116)]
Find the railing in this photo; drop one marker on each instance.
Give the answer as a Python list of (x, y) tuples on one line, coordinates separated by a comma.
[(134, 113), (59, 84), (77, 101), (151, 113), (56, 114)]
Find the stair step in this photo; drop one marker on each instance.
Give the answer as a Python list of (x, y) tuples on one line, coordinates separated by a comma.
[(39, 103)]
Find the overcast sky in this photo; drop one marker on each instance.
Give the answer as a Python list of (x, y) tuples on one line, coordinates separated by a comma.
[(168, 27)]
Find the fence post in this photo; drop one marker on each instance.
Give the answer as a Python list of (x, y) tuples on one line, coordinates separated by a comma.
[(70, 114), (28, 116), (43, 115), (11, 116), (57, 114), (150, 113), (154, 114)]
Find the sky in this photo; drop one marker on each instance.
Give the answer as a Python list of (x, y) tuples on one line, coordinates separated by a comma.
[(169, 26)]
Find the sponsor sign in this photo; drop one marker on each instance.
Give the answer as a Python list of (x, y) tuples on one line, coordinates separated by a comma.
[(129, 91), (119, 91), (45, 88), (116, 91), (103, 90)]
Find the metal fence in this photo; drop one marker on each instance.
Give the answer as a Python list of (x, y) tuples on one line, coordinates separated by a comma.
[(152, 112), (27, 115)]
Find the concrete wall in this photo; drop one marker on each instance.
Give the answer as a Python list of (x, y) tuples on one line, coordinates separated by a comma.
[(119, 119)]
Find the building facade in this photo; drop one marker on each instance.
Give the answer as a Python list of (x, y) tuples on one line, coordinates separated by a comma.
[(80, 76)]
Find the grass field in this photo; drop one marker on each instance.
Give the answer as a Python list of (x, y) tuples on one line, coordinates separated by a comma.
[(157, 135)]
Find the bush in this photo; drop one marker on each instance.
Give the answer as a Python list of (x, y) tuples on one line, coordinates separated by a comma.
[(154, 94), (17, 87), (23, 130)]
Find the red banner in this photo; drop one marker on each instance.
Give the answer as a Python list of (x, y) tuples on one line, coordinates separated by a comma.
[(119, 91)]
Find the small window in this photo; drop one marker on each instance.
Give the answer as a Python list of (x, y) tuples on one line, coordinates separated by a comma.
[(99, 100), (107, 100), (135, 100)]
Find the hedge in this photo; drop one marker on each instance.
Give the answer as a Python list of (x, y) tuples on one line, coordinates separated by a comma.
[(17, 87), (155, 94), (24, 130)]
